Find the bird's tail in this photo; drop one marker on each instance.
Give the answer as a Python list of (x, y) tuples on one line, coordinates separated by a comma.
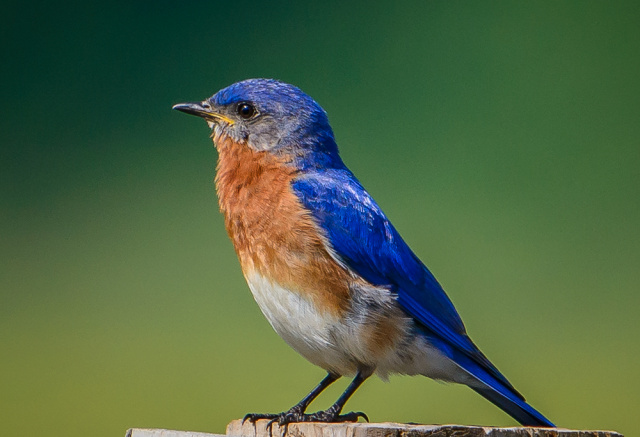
[(497, 392), (516, 408)]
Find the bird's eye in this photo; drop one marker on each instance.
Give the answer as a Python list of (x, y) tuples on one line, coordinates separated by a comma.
[(246, 110)]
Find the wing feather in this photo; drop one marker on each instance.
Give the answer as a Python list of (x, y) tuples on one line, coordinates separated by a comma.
[(365, 240)]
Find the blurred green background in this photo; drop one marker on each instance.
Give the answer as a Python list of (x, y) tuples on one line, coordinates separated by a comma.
[(502, 139)]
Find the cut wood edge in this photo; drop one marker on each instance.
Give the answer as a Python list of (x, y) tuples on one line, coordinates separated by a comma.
[(386, 429), (389, 429)]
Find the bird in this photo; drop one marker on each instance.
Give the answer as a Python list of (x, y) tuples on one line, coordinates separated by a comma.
[(327, 268)]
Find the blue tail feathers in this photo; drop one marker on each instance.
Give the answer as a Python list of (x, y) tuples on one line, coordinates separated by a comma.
[(501, 395), (519, 410)]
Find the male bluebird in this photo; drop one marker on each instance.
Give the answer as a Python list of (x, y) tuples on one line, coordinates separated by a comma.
[(329, 271)]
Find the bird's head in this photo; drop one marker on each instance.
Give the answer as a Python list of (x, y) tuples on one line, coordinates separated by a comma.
[(272, 116)]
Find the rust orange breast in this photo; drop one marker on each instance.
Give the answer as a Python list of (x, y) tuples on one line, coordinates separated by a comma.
[(272, 233)]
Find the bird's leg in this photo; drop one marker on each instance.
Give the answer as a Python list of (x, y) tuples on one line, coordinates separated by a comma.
[(331, 414), (297, 411), (301, 407)]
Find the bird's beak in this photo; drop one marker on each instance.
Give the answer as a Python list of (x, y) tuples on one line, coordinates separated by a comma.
[(201, 111)]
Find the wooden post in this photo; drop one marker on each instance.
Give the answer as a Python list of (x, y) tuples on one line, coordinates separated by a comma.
[(388, 429), (360, 429)]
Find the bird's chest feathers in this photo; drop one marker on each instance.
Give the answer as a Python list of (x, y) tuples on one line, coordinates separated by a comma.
[(274, 236), (256, 200)]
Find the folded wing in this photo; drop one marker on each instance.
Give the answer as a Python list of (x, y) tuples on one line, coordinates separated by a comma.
[(364, 239)]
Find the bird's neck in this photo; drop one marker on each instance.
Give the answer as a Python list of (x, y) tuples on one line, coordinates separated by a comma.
[(250, 183)]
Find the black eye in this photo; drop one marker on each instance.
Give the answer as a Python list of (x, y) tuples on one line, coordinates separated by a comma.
[(246, 110)]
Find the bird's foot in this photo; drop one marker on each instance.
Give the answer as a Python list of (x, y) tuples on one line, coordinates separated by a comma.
[(326, 416), (254, 417), (281, 418), (330, 415), (296, 415)]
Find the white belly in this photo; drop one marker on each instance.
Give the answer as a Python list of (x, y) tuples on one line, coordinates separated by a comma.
[(311, 333), (337, 345)]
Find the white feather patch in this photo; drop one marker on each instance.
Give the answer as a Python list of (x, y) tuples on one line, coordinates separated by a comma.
[(298, 322), (338, 345)]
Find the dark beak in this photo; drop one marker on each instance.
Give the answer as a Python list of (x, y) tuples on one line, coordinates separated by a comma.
[(207, 113), (191, 108)]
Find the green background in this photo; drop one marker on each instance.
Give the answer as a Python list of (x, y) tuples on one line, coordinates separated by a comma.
[(502, 139)]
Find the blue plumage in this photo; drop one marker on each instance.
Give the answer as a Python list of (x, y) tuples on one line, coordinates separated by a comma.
[(367, 242), (271, 117)]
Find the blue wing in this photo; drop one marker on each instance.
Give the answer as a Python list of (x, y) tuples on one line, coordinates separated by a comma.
[(365, 240)]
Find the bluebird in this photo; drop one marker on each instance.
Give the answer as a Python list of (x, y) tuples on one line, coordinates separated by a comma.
[(328, 270)]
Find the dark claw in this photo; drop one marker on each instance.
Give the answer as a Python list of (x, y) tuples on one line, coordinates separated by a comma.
[(269, 426), (352, 416), (326, 416), (296, 416), (253, 417)]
